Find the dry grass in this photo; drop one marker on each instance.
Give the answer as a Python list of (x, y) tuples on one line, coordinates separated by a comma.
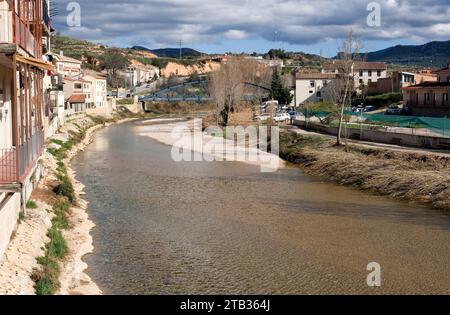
[(408, 176)]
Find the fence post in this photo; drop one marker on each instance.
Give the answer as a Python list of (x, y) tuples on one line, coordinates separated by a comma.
[(444, 127)]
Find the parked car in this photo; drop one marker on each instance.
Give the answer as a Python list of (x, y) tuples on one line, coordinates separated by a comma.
[(358, 109), (292, 113), (394, 110), (369, 109), (263, 118), (284, 117)]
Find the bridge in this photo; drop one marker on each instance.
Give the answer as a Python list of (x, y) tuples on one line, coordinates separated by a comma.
[(190, 91), (195, 91)]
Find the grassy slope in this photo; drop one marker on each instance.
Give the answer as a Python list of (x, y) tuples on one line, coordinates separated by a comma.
[(408, 176)]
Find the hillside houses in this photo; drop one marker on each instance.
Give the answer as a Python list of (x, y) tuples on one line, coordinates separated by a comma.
[(138, 74)]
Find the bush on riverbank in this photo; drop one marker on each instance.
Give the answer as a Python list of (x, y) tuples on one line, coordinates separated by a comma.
[(47, 277), (423, 178)]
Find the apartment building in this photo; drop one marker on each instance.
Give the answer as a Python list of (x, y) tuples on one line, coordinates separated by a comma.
[(78, 95), (66, 66), (24, 33), (139, 74), (313, 87), (430, 98), (364, 73), (98, 87)]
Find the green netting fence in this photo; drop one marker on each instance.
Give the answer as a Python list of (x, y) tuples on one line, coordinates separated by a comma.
[(437, 125)]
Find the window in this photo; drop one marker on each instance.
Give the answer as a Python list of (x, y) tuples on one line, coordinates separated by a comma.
[(312, 83), (379, 73), (361, 73), (361, 81), (445, 97), (78, 86), (370, 73), (448, 79), (319, 94)]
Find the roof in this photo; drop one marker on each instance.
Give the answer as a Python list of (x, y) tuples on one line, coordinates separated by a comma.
[(359, 65), (429, 85), (442, 70), (76, 98), (315, 76), (76, 80), (95, 74), (66, 59)]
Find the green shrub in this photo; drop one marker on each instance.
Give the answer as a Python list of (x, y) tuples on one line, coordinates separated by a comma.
[(45, 286), (31, 204), (65, 188), (58, 246), (60, 221), (58, 142), (46, 278)]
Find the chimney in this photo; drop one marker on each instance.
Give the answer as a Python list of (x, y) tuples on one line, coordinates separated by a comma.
[(61, 53)]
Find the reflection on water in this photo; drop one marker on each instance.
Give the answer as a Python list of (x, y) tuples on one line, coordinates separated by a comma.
[(199, 228)]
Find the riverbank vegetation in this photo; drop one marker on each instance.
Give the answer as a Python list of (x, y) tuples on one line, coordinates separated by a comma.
[(422, 178), (62, 198)]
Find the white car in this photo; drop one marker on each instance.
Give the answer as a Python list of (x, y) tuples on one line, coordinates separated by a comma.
[(284, 117), (263, 118)]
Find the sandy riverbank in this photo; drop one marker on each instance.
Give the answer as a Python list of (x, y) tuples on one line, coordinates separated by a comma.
[(187, 136), (28, 242)]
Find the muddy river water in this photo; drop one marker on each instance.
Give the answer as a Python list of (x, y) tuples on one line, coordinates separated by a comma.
[(166, 227)]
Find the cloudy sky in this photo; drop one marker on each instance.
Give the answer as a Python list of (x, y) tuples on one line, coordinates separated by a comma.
[(254, 25)]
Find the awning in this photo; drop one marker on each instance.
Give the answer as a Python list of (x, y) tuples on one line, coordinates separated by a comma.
[(36, 62)]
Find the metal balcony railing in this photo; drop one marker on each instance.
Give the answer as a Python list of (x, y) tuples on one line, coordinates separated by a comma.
[(17, 163)]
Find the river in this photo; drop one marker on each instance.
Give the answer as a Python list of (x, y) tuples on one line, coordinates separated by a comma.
[(166, 227)]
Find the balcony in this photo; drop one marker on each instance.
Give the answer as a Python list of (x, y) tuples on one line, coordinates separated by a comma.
[(17, 163), (24, 38), (17, 33)]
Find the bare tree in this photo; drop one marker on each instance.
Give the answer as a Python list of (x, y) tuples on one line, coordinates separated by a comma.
[(232, 81), (345, 83)]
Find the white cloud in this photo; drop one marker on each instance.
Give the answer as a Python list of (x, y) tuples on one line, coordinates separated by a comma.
[(165, 22)]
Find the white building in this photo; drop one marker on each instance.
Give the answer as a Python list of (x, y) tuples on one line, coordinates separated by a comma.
[(313, 87), (67, 67), (98, 87), (138, 74), (363, 72)]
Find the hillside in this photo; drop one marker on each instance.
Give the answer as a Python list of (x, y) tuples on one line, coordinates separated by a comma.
[(433, 54), (76, 48), (92, 54), (170, 52)]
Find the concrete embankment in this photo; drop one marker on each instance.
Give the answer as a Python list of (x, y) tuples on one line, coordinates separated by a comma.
[(422, 178)]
